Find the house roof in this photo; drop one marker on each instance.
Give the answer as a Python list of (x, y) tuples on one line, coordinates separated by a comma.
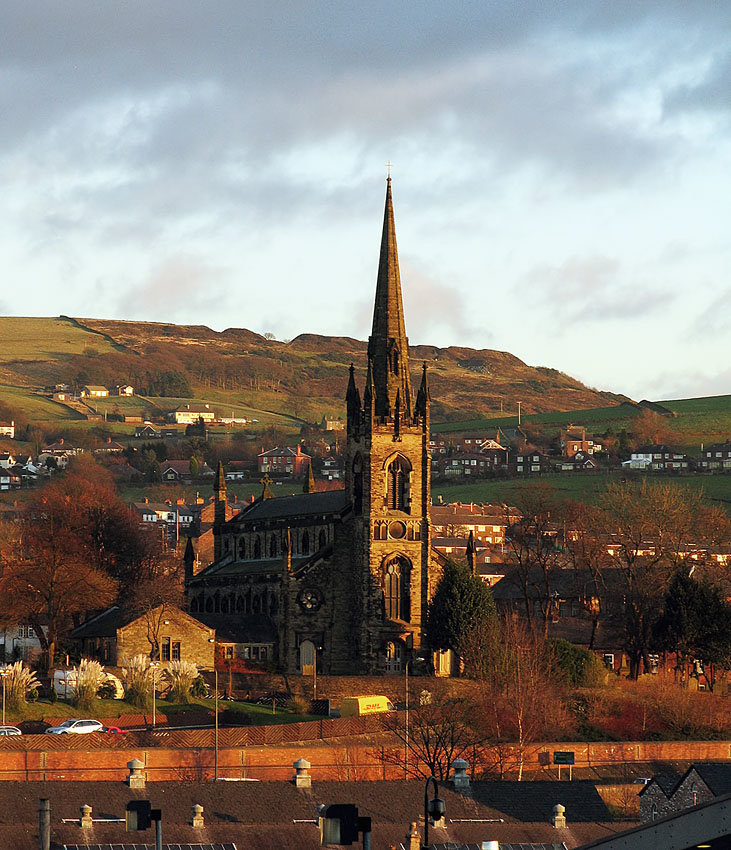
[(288, 507), (242, 628), (273, 815), (182, 467), (285, 451), (108, 622), (96, 388), (716, 775)]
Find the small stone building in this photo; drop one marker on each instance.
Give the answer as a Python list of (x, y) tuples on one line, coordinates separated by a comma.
[(701, 783), (165, 633)]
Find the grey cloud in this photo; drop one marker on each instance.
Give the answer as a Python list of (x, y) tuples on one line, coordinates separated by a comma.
[(435, 310), (715, 320), (593, 289), (179, 287)]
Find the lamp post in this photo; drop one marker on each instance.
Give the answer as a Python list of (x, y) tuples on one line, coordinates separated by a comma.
[(406, 691), (3, 674), (153, 666), (215, 716), (433, 809)]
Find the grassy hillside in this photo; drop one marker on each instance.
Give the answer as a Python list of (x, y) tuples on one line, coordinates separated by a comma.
[(237, 369)]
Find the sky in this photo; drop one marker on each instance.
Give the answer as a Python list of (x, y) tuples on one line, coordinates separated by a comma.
[(561, 173)]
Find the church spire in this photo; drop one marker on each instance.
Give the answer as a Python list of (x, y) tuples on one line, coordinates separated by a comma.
[(388, 346)]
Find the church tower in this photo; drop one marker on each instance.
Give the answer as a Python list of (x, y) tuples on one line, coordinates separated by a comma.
[(388, 480)]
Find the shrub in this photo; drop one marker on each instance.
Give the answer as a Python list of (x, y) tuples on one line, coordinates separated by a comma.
[(89, 679), (19, 680), (137, 675), (298, 705), (578, 667), (53, 694), (180, 675), (199, 689)]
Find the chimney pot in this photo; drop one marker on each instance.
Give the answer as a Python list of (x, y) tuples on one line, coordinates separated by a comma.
[(85, 822), (460, 780), (302, 778), (197, 818), (413, 838), (559, 820), (136, 778)]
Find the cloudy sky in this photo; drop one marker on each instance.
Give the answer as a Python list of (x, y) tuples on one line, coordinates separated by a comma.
[(562, 173)]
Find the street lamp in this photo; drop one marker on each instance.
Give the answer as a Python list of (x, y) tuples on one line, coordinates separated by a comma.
[(3, 673), (215, 717), (434, 809), (153, 666)]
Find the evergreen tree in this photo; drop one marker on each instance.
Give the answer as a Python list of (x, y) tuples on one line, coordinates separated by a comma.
[(695, 624), (462, 616)]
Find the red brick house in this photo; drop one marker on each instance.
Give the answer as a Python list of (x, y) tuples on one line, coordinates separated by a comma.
[(717, 456), (284, 461)]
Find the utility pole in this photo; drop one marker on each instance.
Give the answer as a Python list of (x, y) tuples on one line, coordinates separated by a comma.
[(519, 403)]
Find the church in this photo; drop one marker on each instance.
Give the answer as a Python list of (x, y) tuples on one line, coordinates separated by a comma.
[(339, 579)]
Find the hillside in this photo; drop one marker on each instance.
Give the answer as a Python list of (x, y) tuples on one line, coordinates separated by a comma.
[(239, 369)]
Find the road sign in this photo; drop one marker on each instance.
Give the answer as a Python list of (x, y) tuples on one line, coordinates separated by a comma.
[(565, 757)]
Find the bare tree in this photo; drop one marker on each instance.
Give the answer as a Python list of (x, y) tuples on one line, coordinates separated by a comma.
[(439, 732)]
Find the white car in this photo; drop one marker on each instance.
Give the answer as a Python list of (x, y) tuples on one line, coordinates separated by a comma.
[(75, 727), (9, 730)]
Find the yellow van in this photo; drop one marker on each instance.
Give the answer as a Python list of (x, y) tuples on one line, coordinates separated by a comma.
[(359, 706)]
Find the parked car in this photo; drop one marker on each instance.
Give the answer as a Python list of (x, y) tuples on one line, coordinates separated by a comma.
[(10, 730), (75, 727), (114, 730)]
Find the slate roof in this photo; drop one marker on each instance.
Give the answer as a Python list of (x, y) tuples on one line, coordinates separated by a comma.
[(716, 775), (269, 815), (301, 504), (103, 625), (241, 628)]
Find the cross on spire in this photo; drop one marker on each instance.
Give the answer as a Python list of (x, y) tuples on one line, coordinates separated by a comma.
[(389, 166)]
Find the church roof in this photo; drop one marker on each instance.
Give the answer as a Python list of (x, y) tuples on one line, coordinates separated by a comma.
[(242, 628), (299, 505)]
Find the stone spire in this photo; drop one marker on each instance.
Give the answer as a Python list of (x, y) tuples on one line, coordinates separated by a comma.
[(388, 346), (423, 396), (309, 484), (471, 551), (219, 509)]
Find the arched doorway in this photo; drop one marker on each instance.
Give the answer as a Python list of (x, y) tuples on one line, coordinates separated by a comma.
[(394, 657), (307, 658)]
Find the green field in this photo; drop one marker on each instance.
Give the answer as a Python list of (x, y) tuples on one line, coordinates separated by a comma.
[(24, 338), (618, 416), (579, 487), (34, 407)]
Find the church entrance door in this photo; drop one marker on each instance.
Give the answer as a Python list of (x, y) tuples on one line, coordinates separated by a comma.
[(307, 658)]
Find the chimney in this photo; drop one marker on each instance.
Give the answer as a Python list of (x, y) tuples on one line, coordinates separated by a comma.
[(460, 780), (85, 821), (302, 778), (136, 778), (197, 817), (413, 838), (559, 820), (44, 824)]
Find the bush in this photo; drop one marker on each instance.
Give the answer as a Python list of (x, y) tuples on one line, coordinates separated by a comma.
[(578, 667), (19, 681), (180, 675), (199, 688), (137, 675), (53, 694), (298, 705), (89, 679)]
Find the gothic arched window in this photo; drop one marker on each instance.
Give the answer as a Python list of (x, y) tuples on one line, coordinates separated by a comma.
[(242, 547), (305, 543), (209, 605), (257, 547), (398, 485), (273, 547), (396, 593), (322, 539)]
